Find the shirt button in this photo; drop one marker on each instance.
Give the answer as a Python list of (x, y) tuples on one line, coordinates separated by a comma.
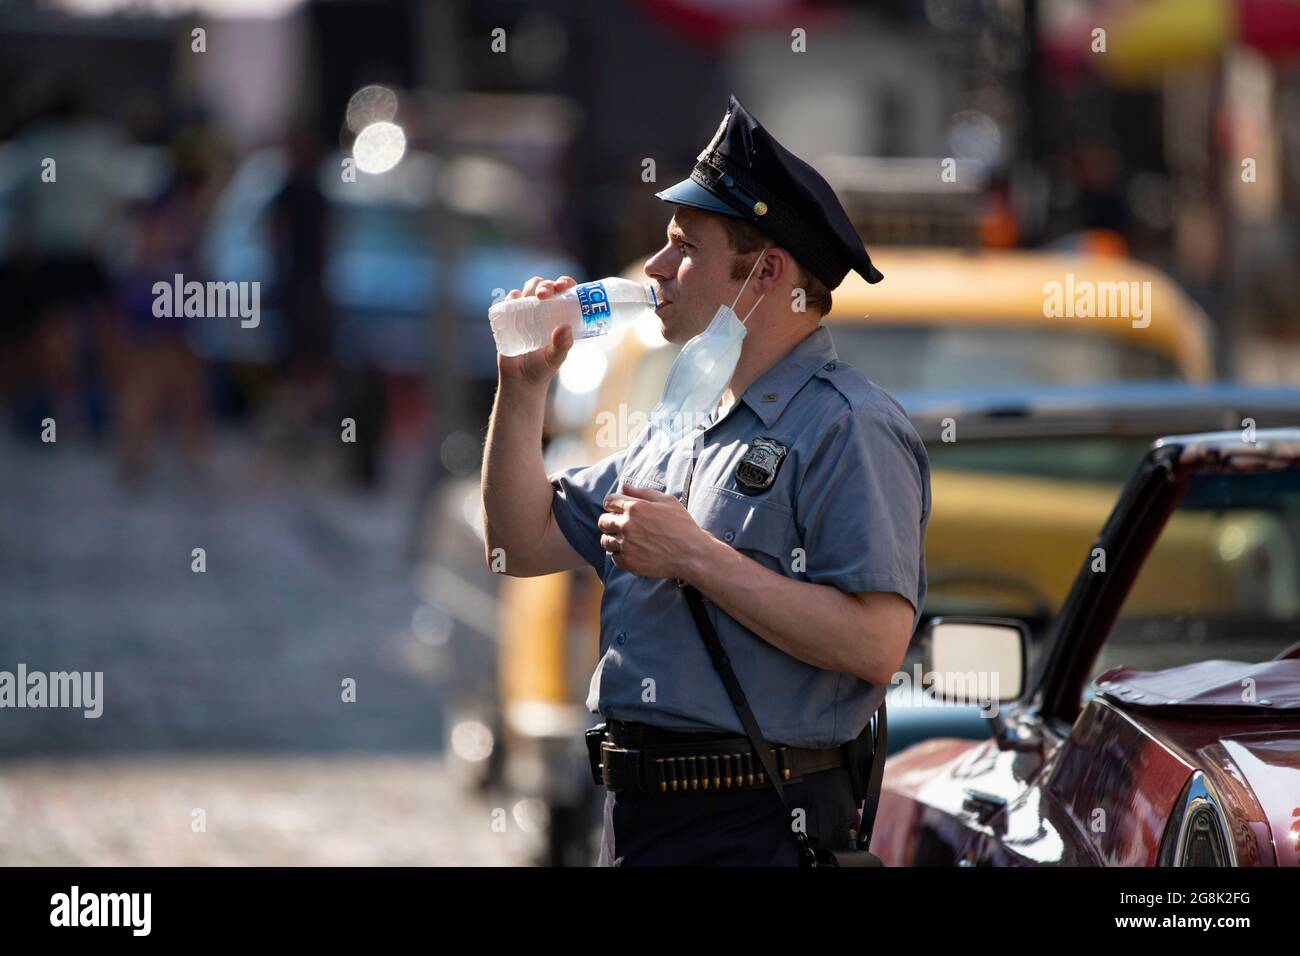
[(622, 637), (829, 366), (729, 536)]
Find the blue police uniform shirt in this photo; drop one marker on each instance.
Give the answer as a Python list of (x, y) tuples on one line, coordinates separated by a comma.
[(848, 507)]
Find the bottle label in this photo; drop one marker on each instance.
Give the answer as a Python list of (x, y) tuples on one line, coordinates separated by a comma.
[(594, 303)]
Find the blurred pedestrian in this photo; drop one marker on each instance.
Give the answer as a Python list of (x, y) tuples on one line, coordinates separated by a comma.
[(300, 234), (66, 214), (158, 375)]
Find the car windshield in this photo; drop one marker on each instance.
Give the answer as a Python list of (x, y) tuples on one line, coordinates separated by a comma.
[(941, 357), (936, 356), (1222, 581), (1013, 518), (1094, 458)]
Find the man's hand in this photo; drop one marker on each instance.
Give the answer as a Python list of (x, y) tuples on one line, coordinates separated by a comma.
[(651, 534), (517, 495), (535, 368)]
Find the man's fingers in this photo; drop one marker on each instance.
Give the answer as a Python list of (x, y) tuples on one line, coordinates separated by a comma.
[(612, 543), (611, 523), (544, 288), (649, 494), (547, 288), (617, 503), (561, 342)]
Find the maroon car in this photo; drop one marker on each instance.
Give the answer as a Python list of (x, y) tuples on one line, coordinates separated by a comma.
[(1160, 724)]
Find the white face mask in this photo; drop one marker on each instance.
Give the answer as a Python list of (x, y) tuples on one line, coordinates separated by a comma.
[(703, 369)]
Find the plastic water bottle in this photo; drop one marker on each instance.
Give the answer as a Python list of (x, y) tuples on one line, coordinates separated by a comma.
[(524, 324)]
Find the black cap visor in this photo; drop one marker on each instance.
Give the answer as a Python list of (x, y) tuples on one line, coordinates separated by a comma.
[(690, 193)]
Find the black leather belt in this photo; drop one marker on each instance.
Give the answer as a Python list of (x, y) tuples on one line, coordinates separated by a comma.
[(638, 758)]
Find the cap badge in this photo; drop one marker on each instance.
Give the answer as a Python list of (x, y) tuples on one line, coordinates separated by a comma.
[(759, 465), (717, 137), (760, 208)]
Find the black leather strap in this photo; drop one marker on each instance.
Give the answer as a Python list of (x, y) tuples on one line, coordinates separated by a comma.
[(872, 801), (722, 663)]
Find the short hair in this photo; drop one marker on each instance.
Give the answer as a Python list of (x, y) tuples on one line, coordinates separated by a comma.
[(745, 237)]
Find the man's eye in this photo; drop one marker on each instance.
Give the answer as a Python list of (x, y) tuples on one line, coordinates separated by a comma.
[(684, 246)]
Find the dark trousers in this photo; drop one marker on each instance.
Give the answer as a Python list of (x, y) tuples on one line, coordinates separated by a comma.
[(717, 828)]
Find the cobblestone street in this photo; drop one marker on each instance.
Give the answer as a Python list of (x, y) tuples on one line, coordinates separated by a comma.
[(271, 811), (222, 690)]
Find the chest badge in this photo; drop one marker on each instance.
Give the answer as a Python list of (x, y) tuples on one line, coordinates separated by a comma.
[(758, 467)]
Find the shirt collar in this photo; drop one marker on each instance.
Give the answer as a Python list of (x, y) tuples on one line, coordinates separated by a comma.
[(770, 393)]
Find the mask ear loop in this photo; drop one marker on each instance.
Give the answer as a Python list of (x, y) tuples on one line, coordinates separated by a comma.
[(744, 284), (652, 438)]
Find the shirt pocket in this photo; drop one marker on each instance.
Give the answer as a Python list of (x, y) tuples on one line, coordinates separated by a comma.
[(746, 523), (643, 481)]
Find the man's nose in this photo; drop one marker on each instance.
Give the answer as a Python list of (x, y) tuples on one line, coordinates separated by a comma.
[(657, 266)]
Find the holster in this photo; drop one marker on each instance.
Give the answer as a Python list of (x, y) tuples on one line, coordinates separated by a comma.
[(858, 756), (594, 737)]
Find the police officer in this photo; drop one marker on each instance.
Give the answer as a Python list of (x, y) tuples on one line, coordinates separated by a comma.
[(797, 508)]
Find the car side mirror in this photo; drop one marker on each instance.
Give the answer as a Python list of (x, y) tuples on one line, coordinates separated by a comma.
[(976, 660)]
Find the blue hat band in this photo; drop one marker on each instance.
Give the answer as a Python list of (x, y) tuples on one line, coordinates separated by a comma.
[(819, 257)]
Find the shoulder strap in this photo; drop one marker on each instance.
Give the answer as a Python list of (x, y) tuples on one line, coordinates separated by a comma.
[(872, 801), (722, 664)]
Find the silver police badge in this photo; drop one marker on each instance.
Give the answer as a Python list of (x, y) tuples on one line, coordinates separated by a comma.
[(758, 467), (717, 137)]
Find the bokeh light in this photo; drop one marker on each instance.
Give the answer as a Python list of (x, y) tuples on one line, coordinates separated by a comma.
[(379, 147)]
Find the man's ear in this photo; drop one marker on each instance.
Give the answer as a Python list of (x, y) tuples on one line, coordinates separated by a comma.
[(769, 269), (781, 264)]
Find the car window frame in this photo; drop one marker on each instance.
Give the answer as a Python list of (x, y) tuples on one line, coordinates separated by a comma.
[(1095, 600)]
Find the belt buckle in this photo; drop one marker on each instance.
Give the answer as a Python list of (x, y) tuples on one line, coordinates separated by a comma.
[(627, 757)]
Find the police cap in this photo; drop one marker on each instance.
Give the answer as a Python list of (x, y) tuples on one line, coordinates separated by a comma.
[(745, 172)]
